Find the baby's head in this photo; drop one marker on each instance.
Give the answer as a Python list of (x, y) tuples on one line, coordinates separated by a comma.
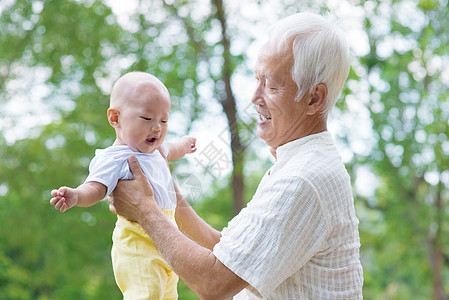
[(139, 109)]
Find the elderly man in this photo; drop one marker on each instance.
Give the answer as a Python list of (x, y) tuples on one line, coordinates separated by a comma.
[(298, 237)]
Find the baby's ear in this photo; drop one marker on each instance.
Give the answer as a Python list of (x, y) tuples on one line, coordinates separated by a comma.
[(113, 114)]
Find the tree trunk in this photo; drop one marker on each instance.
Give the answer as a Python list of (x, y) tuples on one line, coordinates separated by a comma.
[(229, 107), (436, 254), (227, 101), (438, 287)]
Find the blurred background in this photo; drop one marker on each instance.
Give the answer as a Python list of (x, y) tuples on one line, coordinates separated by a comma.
[(59, 59)]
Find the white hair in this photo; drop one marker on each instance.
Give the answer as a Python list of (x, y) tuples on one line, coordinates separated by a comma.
[(320, 51)]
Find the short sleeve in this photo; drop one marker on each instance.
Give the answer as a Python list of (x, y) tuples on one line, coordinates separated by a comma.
[(164, 148), (280, 230), (107, 171)]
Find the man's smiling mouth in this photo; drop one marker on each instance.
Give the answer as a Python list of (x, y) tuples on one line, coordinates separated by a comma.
[(264, 118)]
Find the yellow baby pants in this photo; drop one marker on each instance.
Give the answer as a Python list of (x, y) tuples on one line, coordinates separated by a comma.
[(139, 269)]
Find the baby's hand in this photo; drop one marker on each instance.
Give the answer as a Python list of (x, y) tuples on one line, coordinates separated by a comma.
[(189, 142), (64, 198)]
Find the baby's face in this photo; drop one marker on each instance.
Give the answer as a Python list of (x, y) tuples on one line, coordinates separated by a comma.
[(143, 119)]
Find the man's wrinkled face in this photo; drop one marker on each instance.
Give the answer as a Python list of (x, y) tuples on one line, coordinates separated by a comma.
[(280, 117)]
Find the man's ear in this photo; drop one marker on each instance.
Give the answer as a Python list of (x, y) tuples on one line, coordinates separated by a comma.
[(318, 96), (113, 114)]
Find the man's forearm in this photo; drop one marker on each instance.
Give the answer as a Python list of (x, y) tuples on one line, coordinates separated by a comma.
[(196, 265), (194, 226)]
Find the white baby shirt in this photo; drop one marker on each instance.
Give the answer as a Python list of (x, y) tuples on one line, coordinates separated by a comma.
[(111, 164)]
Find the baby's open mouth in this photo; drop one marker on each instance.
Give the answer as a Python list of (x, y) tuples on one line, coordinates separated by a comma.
[(151, 140)]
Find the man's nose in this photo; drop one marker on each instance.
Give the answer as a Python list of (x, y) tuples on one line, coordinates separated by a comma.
[(257, 97)]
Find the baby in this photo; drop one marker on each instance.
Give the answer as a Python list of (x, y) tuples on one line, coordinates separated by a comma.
[(139, 110)]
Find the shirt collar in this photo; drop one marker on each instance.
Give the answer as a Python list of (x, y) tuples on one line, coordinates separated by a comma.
[(289, 149)]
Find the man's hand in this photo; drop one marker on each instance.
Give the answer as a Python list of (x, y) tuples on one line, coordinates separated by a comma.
[(64, 198), (132, 199)]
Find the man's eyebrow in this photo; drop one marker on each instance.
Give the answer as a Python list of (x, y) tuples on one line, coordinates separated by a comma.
[(272, 79), (269, 77)]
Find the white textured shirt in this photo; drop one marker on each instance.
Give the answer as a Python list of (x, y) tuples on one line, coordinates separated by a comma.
[(298, 236), (111, 164)]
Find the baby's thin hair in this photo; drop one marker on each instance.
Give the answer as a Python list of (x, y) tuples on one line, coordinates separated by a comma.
[(127, 84)]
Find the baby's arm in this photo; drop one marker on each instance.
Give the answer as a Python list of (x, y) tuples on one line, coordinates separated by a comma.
[(85, 195), (178, 149)]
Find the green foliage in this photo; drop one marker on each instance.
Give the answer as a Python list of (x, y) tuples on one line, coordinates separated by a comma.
[(409, 110), (13, 280), (54, 255)]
